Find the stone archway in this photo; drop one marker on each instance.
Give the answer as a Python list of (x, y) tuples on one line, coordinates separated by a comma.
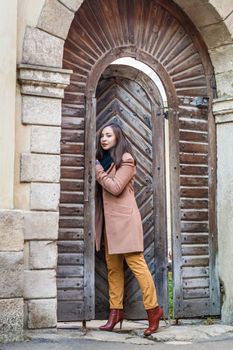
[(43, 46)]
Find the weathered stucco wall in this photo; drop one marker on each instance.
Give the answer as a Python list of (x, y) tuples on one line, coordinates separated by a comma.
[(8, 30), (225, 210), (11, 233)]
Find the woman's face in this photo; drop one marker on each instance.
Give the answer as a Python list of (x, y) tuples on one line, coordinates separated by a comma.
[(107, 138)]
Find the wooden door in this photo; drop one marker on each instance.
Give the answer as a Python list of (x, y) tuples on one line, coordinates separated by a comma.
[(195, 284), (158, 33), (126, 102)]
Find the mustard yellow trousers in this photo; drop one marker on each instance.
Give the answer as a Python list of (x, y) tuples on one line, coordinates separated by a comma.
[(138, 265)]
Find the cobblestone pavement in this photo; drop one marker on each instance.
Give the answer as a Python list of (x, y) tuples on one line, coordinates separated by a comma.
[(73, 337)]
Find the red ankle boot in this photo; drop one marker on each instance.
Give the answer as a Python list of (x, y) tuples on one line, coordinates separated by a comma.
[(115, 316), (153, 318)]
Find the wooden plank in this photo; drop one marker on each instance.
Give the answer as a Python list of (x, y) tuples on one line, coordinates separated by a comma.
[(193, 170), (72, 148), (175, 212), (200, 90), (188, 112), (71, 111), (160, 210), (193, 158), (71, 136), (195, 261), (73, 123), (194, 203), (72, 282), (194, 272), (72, 173), (188, 124), (194, 192), (193, 136), (194, 227), (70, 246), (69, 185), (72, 160), (194, 181), (193, 147), (71, 197), (197, 215), (70, 271), (70, 294), (197, 238), (70, 259), (69, 222), (188, 59), (70, 234), (196, 307), (89, 209), (196, 282), (196, 293), (71, 209), (194, 250), (194, 82), (70, 310)]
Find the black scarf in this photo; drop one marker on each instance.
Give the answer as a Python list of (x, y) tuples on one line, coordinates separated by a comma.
[(106, 161)]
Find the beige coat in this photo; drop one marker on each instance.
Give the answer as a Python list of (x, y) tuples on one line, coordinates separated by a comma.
[(118, 205)]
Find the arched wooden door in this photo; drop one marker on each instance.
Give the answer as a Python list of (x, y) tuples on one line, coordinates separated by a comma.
[(129, 97), (158, 33)]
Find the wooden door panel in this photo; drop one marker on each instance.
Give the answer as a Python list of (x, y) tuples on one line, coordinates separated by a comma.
[(124, 101)]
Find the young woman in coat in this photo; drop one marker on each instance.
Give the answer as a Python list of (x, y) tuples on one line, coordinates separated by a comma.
[(118, 220)]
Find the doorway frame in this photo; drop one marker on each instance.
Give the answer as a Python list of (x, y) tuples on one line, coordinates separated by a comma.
[(135, 74), (89, 155)]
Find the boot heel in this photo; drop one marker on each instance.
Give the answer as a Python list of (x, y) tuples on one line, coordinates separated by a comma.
[(121, 324)]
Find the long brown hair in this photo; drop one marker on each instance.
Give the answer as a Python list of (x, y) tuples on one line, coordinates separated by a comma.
[(122, 145)]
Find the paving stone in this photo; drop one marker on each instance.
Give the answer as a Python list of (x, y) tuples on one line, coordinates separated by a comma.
[(176, 335), (190, 333)]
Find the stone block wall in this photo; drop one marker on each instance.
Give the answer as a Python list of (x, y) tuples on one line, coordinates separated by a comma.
[(11, 275), (40, 263), (42, 89)]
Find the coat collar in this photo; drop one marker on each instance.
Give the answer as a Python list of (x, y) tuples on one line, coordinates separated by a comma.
[(110, 168)]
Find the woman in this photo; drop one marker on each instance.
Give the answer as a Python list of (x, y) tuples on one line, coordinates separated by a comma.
[(118, 218)]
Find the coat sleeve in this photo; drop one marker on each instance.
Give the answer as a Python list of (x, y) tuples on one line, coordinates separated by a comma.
[(115, 185)]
